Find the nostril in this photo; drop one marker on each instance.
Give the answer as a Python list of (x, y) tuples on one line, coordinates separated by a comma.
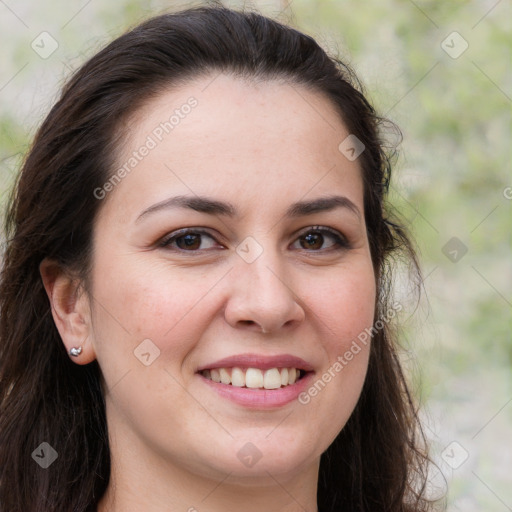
[(248, 323)]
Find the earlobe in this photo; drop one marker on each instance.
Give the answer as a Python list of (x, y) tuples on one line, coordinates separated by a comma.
[(70, 310)]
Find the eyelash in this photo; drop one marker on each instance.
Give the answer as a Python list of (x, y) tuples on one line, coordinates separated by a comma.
[(340, 242)]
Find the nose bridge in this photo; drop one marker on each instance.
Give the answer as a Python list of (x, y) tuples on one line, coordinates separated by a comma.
[(265, 277), (261, 293)]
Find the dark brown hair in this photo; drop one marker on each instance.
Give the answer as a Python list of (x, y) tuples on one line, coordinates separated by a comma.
[(375, 463)]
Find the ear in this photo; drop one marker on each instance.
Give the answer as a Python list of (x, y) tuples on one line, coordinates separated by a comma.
[(70, 309)]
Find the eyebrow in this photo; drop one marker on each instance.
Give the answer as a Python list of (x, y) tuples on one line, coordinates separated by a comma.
[(214, 207)]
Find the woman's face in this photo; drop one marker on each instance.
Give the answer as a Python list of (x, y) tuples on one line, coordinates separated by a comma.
[(235, 239)]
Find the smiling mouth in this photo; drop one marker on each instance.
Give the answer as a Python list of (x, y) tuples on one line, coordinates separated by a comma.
[(254, 378)]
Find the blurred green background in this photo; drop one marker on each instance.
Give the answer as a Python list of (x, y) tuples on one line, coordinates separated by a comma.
[(442, 72)]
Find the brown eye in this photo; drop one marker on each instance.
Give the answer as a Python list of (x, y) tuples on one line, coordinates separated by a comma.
[(192, 241), (312, 241), (318, 239), (188, 240)]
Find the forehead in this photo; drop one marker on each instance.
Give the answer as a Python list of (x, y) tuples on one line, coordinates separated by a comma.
[(222, 134)]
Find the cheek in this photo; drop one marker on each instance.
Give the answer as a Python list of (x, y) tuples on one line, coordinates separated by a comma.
[(345, 309), (150, 301), (345, 306)]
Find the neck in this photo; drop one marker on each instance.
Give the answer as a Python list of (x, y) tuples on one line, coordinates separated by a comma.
[(141, 479), (190, 493)]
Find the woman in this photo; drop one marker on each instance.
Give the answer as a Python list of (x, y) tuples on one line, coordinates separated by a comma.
[(194, 299)]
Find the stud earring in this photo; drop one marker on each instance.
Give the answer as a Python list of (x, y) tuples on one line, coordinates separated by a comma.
[(75, 351)]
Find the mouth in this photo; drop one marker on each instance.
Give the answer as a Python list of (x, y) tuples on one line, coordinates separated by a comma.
[(255, 378), (257, 381)]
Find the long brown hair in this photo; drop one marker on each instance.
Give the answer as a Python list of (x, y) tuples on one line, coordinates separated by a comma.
[(376, 463)]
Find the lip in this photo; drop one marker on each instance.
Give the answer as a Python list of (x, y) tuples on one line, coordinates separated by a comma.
[(260, 398), (259, 361)]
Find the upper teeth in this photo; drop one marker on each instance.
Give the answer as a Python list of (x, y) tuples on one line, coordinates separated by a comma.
[(253, 377)]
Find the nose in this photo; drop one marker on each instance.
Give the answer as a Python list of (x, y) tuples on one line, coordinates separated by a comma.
[(261, 297)]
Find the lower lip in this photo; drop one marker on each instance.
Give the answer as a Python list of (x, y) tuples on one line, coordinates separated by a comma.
[(260, 398)]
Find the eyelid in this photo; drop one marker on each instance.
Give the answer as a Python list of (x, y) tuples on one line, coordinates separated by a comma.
[(320, 229), (341, 240), (167, 239)]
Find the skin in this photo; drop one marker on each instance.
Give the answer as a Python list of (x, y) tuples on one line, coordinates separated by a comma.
[(174, 442)]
